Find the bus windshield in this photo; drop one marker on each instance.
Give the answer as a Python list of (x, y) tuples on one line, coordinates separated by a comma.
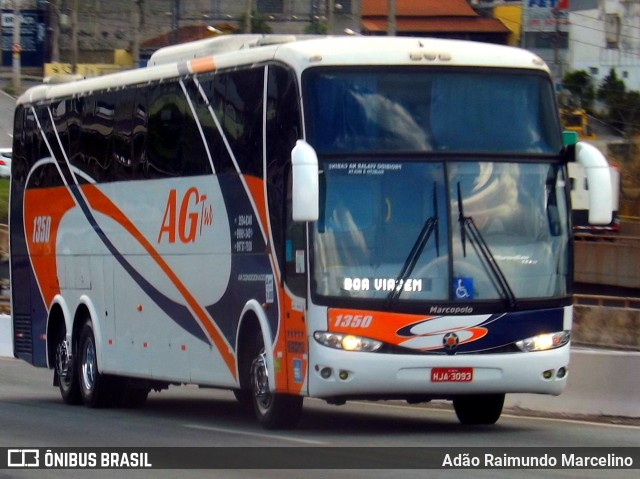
[(407, 109), (455, 230), (443, 184)]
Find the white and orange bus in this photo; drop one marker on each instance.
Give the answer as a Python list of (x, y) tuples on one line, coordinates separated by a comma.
[(338, 218)]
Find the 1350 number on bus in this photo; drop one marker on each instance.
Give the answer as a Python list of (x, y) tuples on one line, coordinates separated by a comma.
[(353, 321), (41, 229)]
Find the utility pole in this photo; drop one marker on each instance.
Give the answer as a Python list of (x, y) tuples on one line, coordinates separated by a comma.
[(391, 17), (54, 24), (175, 21), (136, 20), (74, 37), (330, 16), (247, 16), (16, 48)]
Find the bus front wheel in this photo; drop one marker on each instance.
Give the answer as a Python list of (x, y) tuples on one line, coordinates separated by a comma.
[(274, 411), (479, 409)]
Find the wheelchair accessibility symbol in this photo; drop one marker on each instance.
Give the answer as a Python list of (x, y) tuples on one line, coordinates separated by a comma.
[(463, 288)]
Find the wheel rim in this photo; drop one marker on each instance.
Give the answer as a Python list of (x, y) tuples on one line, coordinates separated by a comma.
[(260, 382), (89, 366), (62, 361)]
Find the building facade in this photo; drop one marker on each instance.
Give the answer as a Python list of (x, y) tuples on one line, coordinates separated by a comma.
[(102, 26), (605, 35)]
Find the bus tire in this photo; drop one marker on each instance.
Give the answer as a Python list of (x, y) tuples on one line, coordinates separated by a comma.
[(95, 388), (479, 409), (65, 372), (273, 411)]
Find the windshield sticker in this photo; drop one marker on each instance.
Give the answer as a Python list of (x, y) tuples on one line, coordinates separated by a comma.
[(299, 261), (297, 371), (381, 284), (268, 285), (523, 259), (463, 288), (288, 255), (365, 168)]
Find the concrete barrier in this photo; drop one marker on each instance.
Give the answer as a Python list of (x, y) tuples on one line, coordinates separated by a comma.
[(603, 327), (600, 383), (612, 263), (6, 336)]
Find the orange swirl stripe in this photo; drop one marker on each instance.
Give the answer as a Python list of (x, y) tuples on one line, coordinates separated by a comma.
[(99, 202)]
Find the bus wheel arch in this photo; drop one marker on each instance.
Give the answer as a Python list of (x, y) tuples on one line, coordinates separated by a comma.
[(273, 410), (248, 329)]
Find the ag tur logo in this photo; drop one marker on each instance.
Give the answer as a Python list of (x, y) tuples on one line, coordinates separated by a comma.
[(23, 458), (185, 217)]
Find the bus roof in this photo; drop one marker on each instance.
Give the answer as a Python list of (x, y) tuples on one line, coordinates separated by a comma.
[(298, 51)]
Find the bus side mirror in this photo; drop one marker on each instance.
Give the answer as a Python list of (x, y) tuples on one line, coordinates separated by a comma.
[(598, 175), (305, 182)]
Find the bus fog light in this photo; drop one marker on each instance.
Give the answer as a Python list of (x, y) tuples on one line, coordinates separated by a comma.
[(344, 375), (346, 342), (562, 372), (544, 342), (325, 373), (548, 374)]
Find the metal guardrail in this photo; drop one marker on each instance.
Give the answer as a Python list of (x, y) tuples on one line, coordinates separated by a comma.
[(607, 260), (606, 301), (609, 238)]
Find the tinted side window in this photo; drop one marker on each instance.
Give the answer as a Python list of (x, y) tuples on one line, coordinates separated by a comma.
[(47, 175), (74, 128), (237, 100), (97, 113), (174, 142), (202, 95), (166, 126), (106, 134), (122, 162), (283, 129)]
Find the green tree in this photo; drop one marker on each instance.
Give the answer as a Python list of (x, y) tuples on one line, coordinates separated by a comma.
[(580, 84), (316, 28), (258, 23), (623, 107), (612, 88)]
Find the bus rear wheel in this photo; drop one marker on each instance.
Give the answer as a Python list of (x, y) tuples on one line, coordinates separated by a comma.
[(274, 411), (479, 409), (65, 372), (95, 388)]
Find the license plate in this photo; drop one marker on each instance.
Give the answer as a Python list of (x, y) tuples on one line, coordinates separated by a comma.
[(451, 375)]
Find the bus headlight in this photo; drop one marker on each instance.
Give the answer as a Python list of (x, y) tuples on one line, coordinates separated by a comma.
[(544, 342), (346, 342)]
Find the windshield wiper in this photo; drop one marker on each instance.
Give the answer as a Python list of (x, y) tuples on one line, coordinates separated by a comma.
[(430, 225), (467, 226)]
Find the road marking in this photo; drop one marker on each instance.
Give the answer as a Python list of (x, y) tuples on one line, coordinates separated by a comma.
[(575, 421), (255, 434), (514, 416)]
